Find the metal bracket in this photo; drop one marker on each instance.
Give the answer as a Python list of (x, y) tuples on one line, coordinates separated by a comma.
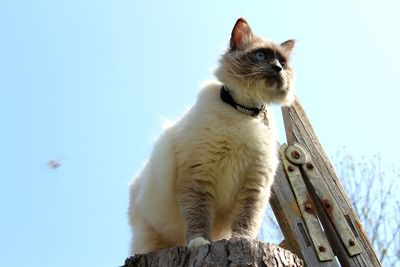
[(299, 166), (290, 157)]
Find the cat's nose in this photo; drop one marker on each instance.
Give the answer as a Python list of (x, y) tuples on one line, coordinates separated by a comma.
[(276, 66)]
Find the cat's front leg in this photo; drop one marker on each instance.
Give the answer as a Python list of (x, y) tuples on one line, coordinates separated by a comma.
[(196, 211), (249, 209)]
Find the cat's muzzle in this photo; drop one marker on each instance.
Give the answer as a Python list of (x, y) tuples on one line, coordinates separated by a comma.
[(275, 80)]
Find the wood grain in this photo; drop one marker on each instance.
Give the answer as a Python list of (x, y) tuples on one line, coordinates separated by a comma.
[(299, 130), (288, 215), (233, 252)]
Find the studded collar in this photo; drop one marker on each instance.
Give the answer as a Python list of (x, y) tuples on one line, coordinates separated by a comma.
[(227, 98)]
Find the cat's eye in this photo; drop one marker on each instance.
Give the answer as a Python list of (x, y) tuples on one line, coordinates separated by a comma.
[(283, 64), (260, 55)]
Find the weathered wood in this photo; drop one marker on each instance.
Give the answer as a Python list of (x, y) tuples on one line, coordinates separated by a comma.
[(299, 130), (288, 215), (233, 252), (299, 188)]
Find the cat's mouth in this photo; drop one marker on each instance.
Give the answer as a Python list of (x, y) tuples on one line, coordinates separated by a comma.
[(276, 81)]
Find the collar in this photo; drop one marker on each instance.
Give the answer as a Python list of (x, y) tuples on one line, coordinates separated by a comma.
[(227, 98)]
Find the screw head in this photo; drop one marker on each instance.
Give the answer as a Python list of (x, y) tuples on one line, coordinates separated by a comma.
[(327, 204), (295, 154), (352, 242), (307, 207), (322, 248), (290, 168), (309, 165)]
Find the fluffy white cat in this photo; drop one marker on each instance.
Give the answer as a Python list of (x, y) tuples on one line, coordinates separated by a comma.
[(209, 175)]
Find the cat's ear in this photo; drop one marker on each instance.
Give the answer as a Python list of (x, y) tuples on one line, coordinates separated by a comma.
[(288, 45), (241, 34)]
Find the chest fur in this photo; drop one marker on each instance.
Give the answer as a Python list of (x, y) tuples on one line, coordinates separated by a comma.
[(221, 155)]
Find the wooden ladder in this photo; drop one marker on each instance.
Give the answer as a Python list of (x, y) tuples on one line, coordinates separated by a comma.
[(311, 206)]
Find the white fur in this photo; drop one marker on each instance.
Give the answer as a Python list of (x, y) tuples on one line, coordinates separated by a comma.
[(228, 157), (198, 242), (208, 124)]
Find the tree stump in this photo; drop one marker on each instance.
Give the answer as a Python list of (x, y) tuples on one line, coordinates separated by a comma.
[(233, 252)]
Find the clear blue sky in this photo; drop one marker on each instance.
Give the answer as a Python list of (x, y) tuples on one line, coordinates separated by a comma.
[(89, 82)]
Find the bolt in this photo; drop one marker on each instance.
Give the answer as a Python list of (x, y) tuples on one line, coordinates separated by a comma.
[(290, 168), (295, 154), (307, 206), (327, 204), (309, 165), (322, 248), (351, 242)]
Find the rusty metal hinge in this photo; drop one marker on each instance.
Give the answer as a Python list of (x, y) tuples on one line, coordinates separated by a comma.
[(291, 159), (298, 166)]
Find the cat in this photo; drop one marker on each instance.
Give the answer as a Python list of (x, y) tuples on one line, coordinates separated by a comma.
[(210, 173)]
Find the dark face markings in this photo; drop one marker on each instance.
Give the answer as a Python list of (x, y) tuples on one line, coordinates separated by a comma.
[(260, 65)]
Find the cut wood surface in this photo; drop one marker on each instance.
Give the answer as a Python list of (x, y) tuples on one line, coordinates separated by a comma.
[(233, 252)]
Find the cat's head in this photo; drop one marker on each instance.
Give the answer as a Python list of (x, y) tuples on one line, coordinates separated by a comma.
[(256, 70)]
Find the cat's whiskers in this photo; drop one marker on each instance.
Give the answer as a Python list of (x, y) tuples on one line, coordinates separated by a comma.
[(240, 68), (235, 60), (259, 96), (234, 67), (254, 79)]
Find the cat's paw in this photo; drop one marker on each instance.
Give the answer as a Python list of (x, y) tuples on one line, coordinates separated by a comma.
[(198, 242)]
